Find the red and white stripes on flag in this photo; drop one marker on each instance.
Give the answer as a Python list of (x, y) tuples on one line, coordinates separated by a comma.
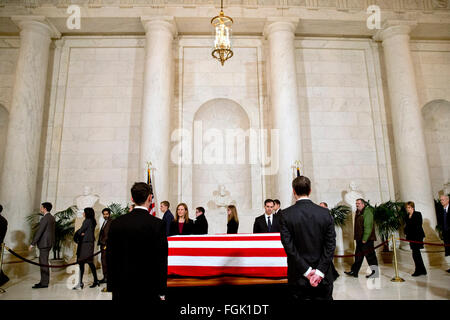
[(152, 209), (253, 255)]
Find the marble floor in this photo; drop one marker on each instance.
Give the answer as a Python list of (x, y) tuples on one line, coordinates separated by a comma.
[(434, 286)]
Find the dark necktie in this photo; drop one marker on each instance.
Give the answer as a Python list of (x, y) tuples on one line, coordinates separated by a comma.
[(269, 224)]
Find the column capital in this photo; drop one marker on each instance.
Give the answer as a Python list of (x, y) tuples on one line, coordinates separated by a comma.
[(38, 24), (275, 24), (394, 27), (165, 23)]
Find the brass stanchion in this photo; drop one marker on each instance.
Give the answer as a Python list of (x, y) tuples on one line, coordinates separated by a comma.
[(396, 278)]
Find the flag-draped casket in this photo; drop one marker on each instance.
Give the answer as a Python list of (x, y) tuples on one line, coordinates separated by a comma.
[(252, 255)]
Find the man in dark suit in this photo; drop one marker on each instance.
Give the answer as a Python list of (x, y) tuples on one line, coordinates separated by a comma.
[(168, 216), (102, 239), (45, 240), (266, 222), (308, 237), (276, 206), (136, 252), (200, 224), (444, 221)]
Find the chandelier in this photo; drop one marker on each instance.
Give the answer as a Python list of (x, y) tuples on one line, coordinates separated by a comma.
[(222, 43)]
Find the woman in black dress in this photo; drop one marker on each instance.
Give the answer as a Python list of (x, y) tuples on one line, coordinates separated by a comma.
[(181, 225), (233, 221), (86, 247), (414, 232)]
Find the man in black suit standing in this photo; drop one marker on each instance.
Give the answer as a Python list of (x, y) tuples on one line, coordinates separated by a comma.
[(444, 221), (45, 240), (276, 206), (136, 252), (308, 237), (266, 222), (168, 216), (200, 224), (102, 239)]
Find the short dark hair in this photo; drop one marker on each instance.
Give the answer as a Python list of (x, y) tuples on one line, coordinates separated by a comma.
[(140, 192), (201, 209), (267, 201), (166, 203), (47, 206), (277, 202), (107, 210), (301, 186)]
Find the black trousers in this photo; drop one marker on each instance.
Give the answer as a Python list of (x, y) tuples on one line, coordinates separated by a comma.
[(307, 292), (417, 257), (370, 255), (93, 270), (45, 271)]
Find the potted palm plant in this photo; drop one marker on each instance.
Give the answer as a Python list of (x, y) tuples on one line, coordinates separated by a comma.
[(117, 210), (340, 214), (388, 218)]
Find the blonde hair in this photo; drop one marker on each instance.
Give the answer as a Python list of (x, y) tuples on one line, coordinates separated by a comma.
[(234, 214), (186, 215)]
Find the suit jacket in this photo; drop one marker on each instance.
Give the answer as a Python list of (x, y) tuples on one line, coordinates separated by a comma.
[(309, 239), (168, 218), (45, 235), (103, 235), (136, 255), (440, 216), (201, 225), (260, 224), (414, 230), (88, 229), (3, 228), (188, 228)]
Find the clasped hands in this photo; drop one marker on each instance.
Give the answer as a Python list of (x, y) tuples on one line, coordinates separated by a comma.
[(314, 279)]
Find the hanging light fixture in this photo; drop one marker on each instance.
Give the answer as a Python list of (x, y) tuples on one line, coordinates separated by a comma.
[(222, 42)]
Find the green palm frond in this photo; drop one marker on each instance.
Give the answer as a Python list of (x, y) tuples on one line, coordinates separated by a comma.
[(340, 214), (388, 218), (117, 210)]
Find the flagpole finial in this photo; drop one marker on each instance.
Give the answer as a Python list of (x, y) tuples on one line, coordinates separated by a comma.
[(149, 164)]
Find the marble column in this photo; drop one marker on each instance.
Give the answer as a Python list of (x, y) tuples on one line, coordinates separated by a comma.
[(410, 149), (157, 101), (19, 174), (284, 103)]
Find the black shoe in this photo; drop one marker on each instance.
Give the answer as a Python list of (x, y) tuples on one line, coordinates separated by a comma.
[(419, 273), (448, 270), (95, 284), (39, 286), (372, 275), (78, 286), (103, 280), (351, 273)]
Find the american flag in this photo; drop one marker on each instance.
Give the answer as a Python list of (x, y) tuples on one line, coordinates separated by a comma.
[(253, 255), (152, 208)]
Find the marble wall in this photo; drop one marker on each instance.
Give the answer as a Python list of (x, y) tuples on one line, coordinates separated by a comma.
[(343, 119), (95, 95)]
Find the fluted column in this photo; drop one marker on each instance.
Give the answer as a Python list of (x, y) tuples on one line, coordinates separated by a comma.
[(19, 174), (410, 149), (284, 102), (157, 99)]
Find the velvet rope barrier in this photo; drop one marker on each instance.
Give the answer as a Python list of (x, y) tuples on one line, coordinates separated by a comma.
[(46, 265), (427, 243), (362, 252)]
